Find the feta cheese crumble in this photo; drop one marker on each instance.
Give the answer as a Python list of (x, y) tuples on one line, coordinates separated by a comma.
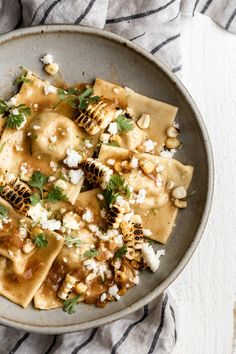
[(49, 89), (134, 162), (47, 59), (70, 221), (168, 153), (111, 162), (87, 144), (87, 216), (113, 291), (51, 225), (75, 176), (149, 145), (140, 197), (53, 139), (151, 258), (38, 213), (73, 158), (103, 297), (113, 129)]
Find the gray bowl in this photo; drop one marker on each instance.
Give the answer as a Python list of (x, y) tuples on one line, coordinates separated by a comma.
[(84, 53)]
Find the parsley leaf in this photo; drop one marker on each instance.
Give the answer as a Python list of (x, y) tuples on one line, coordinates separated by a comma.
[(76, 99), (56, 194), (123, 123), (3, 212), (21, 79), (35, 198), (109, 196), (3, 106), (91, 253), (15, 120), (121, 252), (38, 180), (116, 182), (72, 241), (69, 305), (40, 240)]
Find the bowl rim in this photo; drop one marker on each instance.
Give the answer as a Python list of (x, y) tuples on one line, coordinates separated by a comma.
[(19, 33)]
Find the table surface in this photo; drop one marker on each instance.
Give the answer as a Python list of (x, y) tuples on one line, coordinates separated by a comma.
[(205, 292)]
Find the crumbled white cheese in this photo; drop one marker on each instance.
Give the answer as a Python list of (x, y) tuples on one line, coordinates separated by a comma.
[(91, 264), (51, 225), (70, 221), (15, 111), (149, 145), (136, 280), (36, 127), (105, 137), (29, 134), (53, 165), (113, 129), (36, 106), (103, 213), (87, 216), (64, 259), (73, 158), (60, 184), (100, 196), (75, 176), (147, 232), (168, 153), (103, 297), (134, 162), (120, 201), (140, 197), (38, 213), (23, 168), (119, 240), (111, 162), (19, 148), (47, 59), (93, 228), (12, 101), (88, 144), (113, 291), (127, 217), (49, 89), (151, 258), (53, 139), (51, 179), (9, 177)]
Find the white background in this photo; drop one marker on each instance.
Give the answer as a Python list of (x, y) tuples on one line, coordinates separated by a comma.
[(205, 292)]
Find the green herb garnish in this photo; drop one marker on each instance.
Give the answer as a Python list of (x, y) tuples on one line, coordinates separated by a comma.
[(124, 124), (116, 182), (109, 196), (35, 198), (69, 305), (3, 212), (1, 189), (72, 241), (56, 195), (91, 253), (21, 79), (121, 252), (40, 240), (15, 115), (76, 99), (116, 186), (38, 180)]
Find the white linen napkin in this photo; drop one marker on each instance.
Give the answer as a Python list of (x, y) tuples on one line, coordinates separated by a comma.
[(154, 25)]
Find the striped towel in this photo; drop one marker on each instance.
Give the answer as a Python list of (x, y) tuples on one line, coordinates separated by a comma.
[(154, 25)]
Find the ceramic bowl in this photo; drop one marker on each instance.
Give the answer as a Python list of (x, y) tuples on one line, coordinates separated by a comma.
[(83, 54)]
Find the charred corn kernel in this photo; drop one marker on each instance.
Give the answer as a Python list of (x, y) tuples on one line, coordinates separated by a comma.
[(146, 166), (179, 192), (101, 304), (130, 253), (28, 246), (17, 193), (132, 234), (172, 143), (144, 121), (116, 139), (97, 172), (67, 287), (172, 132), (122, 291), (35, 231), (180, 203), (135, 264), (140, 148), (120, 277), (115, 216), (51, 69), (96, 116), (116, 263), (81, 288), (117, 166)]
